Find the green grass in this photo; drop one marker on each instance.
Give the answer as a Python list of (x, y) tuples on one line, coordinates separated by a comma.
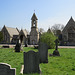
[(63, 65)]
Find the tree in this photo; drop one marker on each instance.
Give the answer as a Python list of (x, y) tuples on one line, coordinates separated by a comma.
[(57, 28), (1, 36), (41, 30), (49, 39)]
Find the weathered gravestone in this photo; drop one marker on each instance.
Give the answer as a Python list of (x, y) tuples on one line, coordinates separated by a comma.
[(56, 52), (31, 62), (43, 52), (18, 46), (6, 69)]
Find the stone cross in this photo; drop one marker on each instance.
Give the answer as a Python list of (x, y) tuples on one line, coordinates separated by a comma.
[(56, 43)]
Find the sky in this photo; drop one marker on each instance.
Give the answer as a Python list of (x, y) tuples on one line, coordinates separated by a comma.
[(18, 13)]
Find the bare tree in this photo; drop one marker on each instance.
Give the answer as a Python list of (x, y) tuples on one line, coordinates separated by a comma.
[(41, 30), (57, 28)]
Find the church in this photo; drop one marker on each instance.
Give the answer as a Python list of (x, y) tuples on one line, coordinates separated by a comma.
[(68, 33), (10, 35)]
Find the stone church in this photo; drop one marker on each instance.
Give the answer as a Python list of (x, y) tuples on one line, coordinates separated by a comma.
[(68, 33), (10, 35), (34, 34)]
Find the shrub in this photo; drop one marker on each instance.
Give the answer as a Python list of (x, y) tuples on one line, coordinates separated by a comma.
[(49, 39)]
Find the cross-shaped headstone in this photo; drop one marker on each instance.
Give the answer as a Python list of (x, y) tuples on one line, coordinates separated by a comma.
[(56, 43)]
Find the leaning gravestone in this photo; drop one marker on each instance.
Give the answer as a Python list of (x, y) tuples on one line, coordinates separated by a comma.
[(43, 52), (6, 69), (56, 52), (31, 62)]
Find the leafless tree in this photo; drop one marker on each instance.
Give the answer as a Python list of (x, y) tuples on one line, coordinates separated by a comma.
[(57, 28), (41, 30)]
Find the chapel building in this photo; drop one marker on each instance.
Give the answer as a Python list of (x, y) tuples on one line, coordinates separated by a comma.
[(68, 33), (11, 35)]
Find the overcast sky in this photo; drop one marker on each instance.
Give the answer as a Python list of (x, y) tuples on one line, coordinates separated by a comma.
[(18, 13)]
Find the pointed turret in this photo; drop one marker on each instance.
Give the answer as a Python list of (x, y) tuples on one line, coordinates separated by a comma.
[(34, 21), (34, 17)]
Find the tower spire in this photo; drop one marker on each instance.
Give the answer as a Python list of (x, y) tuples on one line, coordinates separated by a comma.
[(34, 20), (34, 11)]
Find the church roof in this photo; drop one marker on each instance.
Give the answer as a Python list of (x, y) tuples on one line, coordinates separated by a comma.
[(49, 30), (24, 32), (34, 17), (70, 23), (71, 20), (12, 31)]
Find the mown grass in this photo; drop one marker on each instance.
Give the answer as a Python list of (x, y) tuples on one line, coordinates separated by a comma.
[(63, 65)]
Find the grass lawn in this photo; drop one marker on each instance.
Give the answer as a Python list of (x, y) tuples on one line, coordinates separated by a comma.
[(63, 65)]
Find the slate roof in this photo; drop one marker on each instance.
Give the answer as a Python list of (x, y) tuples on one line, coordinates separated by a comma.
[(12, 31), (34, 17), (24, 32), (71, 22)]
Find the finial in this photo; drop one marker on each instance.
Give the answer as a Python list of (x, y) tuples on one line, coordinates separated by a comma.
[(34, 11)]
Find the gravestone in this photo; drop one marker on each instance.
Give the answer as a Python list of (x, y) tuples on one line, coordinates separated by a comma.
[(31, 62), (18, 46), (43, 52), (56, 52), (6, 69)]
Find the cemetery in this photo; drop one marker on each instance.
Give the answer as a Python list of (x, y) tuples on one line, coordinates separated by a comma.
[(36, 54), (56, 65), (40, 42)]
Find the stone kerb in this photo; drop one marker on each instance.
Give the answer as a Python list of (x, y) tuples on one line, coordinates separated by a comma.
[(31, 62), (43, 52), (5, 69)]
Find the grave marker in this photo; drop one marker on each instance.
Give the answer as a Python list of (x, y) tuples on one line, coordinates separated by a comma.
[(6, 69), (56, 52), (31, 62), (43, 52)]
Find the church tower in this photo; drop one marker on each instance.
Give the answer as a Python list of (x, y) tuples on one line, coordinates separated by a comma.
[(34, 34)]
